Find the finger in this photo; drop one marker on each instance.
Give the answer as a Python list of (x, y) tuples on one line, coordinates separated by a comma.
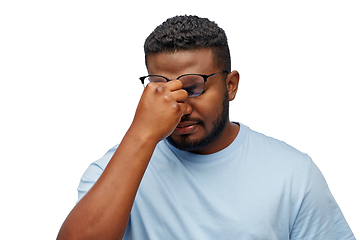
[(180, 96), (174, 85), (161, 87)]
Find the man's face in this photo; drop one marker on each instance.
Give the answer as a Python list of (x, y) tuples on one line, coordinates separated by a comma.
[(201, 129)]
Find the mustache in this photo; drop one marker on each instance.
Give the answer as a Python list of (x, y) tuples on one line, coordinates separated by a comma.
[(191, 119)]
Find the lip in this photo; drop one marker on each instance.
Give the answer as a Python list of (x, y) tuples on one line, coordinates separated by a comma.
[(185, 128)]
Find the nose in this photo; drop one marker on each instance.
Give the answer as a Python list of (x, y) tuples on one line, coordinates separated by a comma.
[(189, 108)]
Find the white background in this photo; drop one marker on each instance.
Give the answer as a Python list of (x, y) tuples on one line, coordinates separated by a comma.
[(69, 88)]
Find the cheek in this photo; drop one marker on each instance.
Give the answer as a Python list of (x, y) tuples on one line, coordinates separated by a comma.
[(208, 109)]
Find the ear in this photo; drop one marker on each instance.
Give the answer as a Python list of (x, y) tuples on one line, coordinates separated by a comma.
[(232, 83)]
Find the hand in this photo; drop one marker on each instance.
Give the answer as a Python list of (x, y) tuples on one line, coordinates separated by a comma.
[(160, 109)]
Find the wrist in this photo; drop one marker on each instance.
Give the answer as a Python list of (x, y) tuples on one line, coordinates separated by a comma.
[(141, 136)]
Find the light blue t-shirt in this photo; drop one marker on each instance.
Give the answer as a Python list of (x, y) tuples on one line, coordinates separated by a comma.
[(257, 188)]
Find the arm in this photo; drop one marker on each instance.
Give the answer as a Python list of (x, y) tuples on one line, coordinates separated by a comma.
[(103, 213)]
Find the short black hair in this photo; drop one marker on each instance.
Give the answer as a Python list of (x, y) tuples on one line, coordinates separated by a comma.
[(190, 33)]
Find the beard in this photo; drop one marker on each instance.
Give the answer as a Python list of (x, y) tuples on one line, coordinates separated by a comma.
[(185, 144)]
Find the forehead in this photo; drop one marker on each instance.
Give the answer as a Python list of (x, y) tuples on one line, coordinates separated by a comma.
[(181, 62)]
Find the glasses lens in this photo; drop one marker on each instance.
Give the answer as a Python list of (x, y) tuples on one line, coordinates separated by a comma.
[(149, 79), (193, 84)]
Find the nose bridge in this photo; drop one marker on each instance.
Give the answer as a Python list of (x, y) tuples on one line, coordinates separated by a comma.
[(172, 77), (175, 78)]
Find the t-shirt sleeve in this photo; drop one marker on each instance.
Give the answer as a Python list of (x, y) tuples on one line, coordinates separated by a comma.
[(88, 179), (93, 172), (319, 216)]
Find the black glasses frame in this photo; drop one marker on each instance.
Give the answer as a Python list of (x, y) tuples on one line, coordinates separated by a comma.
[(205, 77)]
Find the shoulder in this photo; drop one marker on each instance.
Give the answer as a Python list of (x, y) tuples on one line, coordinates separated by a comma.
[(271, 156), (273, 147), (266, 141)]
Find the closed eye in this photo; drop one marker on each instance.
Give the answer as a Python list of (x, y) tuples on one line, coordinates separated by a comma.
[(190, 89)]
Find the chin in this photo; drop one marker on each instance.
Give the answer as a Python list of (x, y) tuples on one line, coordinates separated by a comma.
[(186, 142), (191, 143)]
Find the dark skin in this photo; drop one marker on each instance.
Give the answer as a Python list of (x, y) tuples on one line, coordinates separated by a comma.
[(103, 213)]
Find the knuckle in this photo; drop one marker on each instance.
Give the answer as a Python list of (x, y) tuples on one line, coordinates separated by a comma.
[(167, 98), (175, 107), (159, 89), (150, 85)]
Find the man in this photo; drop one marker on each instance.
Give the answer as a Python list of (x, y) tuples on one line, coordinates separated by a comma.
[(184, 171)]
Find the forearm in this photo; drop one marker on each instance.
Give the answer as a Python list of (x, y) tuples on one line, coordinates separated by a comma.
[(104, 211)]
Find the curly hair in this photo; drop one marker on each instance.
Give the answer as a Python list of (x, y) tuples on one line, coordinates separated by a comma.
[(190, 33)]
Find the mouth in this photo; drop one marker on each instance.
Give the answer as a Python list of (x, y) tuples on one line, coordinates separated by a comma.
[(186, 128)]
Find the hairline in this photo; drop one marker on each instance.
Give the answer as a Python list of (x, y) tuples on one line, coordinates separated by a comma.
[(215, 59)]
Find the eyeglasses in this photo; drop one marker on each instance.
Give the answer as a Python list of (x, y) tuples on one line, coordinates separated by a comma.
[(193, 83)]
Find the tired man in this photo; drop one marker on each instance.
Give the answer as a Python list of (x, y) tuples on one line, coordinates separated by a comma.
[(184, 171)]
